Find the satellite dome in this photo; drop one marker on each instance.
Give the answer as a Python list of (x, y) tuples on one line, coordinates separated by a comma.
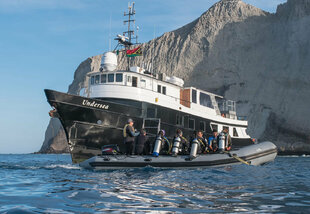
[(109, 61)]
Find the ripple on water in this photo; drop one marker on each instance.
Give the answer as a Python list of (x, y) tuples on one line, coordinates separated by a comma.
[(51, 184)]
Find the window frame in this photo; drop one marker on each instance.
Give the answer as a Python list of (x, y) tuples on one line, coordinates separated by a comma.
[(103, 77), (109, 78), (119, 75), (189, 121)]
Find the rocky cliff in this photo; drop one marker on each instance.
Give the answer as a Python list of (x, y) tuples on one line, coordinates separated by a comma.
[(259, 59)]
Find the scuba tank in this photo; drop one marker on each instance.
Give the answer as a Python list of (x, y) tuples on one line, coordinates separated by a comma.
[(194, 149), (221, 142), (157, 146), (176, 146)]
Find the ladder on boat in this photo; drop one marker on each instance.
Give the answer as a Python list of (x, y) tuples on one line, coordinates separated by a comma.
[(151, 126), (215, 105)]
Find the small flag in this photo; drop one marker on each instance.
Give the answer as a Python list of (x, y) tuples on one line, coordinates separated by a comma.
[(135, 52)]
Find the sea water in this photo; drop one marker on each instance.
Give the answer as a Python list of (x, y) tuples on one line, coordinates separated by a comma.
[(52, 184)]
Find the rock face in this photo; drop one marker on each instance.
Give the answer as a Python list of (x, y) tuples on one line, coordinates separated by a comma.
[(259, 59)]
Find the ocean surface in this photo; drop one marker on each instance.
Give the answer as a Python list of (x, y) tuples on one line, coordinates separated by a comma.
[(52, 184)]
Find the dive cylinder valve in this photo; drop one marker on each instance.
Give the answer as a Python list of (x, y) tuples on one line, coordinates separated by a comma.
[(157, 146), (176, 146), (221, 142), (194, 149)]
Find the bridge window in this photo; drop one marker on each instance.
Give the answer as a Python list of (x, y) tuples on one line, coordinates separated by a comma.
[(134, 82), (159, 88), (205, 100), (164, 89), (103, 78), (110, 77), (191, 123), (92, 80), (97, 78), (119, 77), (194, 96)]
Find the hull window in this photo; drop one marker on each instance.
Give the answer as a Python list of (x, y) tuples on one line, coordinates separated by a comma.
[(191, 124), (214, 127), (134, 82), (202, 126), (226, 127), (180, 120), (110, 77), (235, 133), (103, 78), (119, 77)]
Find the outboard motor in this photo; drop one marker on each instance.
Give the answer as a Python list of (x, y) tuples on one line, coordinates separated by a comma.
[(194, 149), (176, 146), (157, 146), (221, 142)]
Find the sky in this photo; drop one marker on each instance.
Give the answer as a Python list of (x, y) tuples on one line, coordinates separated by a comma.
[(42, 42)]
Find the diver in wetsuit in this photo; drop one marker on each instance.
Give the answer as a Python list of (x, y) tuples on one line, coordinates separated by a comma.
[(129, 135)]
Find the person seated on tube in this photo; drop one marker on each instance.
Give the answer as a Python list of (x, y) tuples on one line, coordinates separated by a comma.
[(213, 141), (203, 144), (228, 142), (184, 144), (166, 146)]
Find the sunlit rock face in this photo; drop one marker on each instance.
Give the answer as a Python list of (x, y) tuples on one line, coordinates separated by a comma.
[(259, 59)]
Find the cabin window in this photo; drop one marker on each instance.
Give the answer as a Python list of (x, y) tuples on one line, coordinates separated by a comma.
[(97, 78), (205, 100), (214, 127), (128, 78), (226, 127), (159, 88), (103, 78), (134, 82), (194, 96), (180, 120), (164, 89), (119, 77), (191, 123), (92, 80), (143, 83), (235, 133), (110, 77), (202, 126)]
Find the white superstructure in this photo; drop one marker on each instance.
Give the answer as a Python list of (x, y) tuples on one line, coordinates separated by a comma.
[(140, 85)]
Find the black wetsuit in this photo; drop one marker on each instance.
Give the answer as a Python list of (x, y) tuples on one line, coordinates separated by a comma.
[(140, 144)]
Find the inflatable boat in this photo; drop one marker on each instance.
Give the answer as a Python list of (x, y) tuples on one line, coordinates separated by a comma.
[(256, 154)]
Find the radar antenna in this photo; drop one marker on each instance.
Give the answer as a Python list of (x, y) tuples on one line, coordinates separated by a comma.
[(129, 35)]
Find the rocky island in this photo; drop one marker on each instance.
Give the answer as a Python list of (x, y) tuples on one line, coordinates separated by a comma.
[(257, 58)]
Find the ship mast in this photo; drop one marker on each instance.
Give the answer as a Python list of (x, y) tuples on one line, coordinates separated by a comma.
[(131, 13)]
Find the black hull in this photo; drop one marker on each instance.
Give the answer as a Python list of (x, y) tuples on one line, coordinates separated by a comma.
[(91, 123)]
